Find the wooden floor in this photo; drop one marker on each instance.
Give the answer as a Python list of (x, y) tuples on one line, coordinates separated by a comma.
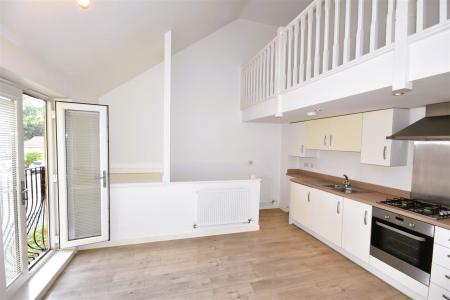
[(278, 262)]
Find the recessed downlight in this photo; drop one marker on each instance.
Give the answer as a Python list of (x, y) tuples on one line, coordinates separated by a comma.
[(84, 4), (398, 93), (311, 113)]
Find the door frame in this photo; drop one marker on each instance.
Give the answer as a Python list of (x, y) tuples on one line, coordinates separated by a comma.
[(60, 107)]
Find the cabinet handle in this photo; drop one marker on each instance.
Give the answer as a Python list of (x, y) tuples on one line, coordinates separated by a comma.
[(445, 297), (331, 140), (384, 152), (324, 140), (308, 196), (365, 217), (338, 209), (447, 276)]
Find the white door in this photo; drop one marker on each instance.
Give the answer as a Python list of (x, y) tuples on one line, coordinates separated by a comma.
[(299, 209), (83, 173), (356, 227), (13, 252), (328, 211)]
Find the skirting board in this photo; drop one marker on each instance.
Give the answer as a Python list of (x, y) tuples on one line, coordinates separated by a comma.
[(200, 232), (389, 280)]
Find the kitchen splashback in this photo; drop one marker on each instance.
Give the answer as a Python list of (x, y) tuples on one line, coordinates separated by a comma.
[(431, 171)]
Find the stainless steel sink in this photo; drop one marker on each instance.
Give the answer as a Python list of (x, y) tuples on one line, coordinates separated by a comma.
[(341, 188)]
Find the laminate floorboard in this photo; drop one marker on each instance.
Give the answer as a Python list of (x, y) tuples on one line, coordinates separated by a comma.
[(278, 262)]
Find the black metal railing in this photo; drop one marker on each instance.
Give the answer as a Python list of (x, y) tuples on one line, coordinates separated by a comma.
[(37, 213)]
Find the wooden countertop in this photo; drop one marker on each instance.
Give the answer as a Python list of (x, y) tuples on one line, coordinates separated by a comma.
[(371, 194)]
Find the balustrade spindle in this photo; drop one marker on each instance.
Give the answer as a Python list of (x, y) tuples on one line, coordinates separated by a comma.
[(295, 68), (374, 27), (389, 21), (360, 30), (442, 11), (317, 48), (348, 10), (289, 58), (263, 75), (325, 36), (272, 68), (337, 15), (302, 49), (309, 45)]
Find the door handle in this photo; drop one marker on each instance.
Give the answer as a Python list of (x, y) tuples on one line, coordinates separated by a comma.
[(384, 152), (103, 178), (324, 140), (309, 193), (338, 209), (331, 140), (23, 192), (365, 217)]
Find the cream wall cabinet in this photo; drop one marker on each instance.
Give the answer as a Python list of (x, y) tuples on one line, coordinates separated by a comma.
[(356, 228), (341, 133), (375, 148), (296, 140)]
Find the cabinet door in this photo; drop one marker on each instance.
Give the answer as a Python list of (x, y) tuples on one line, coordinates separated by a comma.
[(356, 228), (317, 134), (296, 136), (345, 133), (327, 211), (299, 209), (375, 148)]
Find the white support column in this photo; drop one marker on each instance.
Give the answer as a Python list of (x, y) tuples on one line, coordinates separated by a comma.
[(309, 45), (360, 30), (279, 70), (167, 95), (348, 10), (374, 27), (442, 11), (302, 49), (326, 53), (317, 47), (400, 82), (389, 19), (336, 46)]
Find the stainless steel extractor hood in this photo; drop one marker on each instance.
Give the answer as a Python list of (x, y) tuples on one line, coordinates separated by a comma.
[(434, 127)]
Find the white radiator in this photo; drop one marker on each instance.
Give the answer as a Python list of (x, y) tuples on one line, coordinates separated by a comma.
[(223, 207)]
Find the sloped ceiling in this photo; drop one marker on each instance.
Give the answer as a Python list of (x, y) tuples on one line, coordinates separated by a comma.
[(99, 48)]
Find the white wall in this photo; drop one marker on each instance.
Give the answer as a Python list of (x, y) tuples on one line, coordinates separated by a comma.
[(136, 122), (337, 163), (209, 140)]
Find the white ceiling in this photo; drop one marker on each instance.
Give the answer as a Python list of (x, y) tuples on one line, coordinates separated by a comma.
[(99, 48)]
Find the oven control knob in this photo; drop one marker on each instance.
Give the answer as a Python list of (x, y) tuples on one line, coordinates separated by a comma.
[(412, 225)]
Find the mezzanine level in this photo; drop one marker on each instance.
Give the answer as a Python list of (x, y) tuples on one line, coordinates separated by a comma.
[(349, 56)]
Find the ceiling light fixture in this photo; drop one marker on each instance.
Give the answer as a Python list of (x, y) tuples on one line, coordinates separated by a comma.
[(84, 4), (311, 113)]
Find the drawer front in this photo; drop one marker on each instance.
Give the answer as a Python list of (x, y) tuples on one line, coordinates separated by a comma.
[(438, 293), (442, 237), (440, 276), (441, 256)]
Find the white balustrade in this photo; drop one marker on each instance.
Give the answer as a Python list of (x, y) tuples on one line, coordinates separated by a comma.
[(301, 51)]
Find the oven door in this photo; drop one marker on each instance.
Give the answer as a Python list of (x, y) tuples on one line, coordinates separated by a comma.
[(403, 249)]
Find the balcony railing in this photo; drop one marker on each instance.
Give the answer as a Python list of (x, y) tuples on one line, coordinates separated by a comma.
[(36, 213), (330, 34)]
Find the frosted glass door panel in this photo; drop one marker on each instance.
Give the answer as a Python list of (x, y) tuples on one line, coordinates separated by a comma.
[(83, 169), (82, 137)]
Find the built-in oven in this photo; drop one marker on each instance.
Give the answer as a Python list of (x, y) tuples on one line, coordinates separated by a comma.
[(404, 243)]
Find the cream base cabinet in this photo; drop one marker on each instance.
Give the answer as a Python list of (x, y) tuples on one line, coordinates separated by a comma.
[(356, 227), (327, 211), (300, 208), (375, 148)]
